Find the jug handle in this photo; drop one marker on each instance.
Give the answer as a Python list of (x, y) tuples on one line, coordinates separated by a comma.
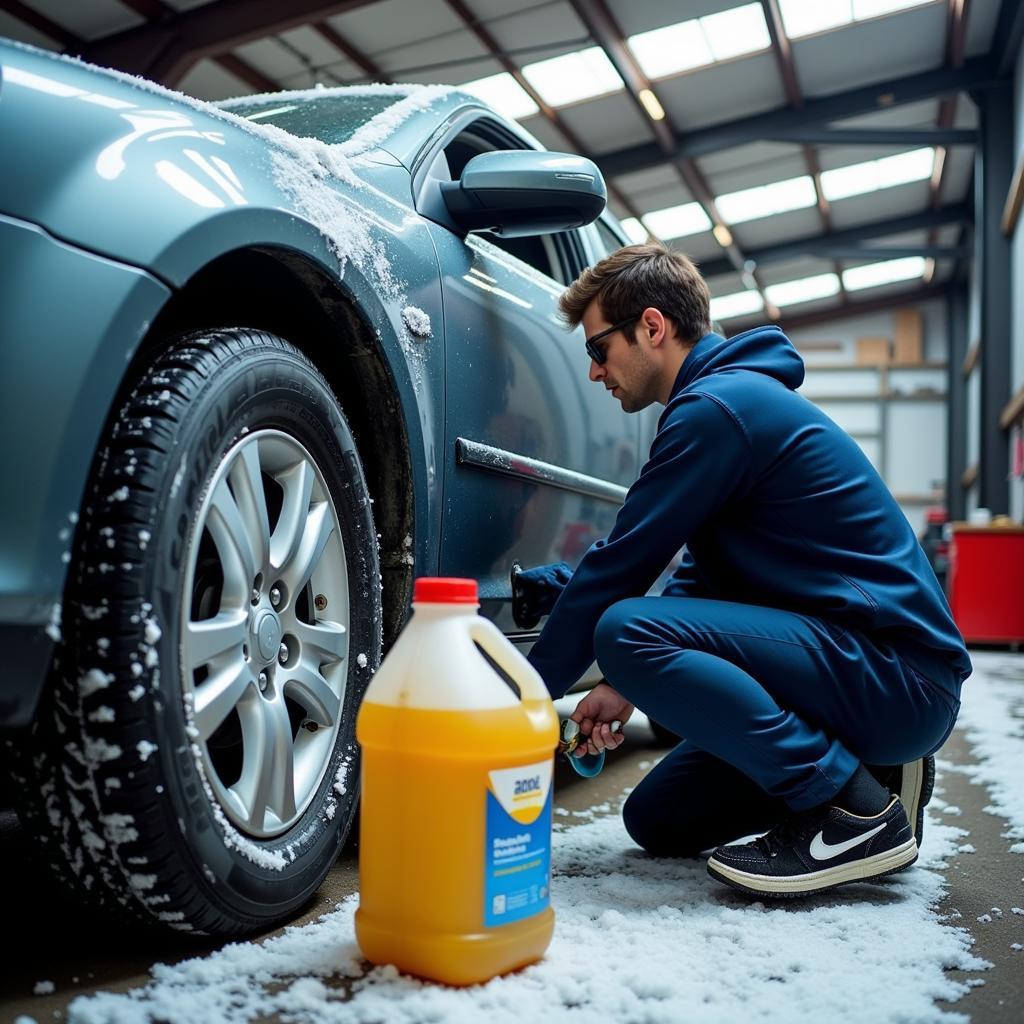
[(494, 642)]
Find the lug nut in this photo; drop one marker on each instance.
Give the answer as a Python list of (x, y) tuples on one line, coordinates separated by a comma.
[(275, 596), (262, 681), (255, 596), (320, 602), (282, 655)]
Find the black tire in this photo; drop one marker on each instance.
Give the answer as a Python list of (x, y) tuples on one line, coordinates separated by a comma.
[(112, 774)]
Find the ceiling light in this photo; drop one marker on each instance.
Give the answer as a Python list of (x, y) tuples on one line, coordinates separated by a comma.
[(804, 289), (651, 105), (665, 51), (503, 93), (766, 200), (725, 307), (874, 274), (802, 17), (677, 221), (635, 231), (737, 31), (723, 235), (573, 76)]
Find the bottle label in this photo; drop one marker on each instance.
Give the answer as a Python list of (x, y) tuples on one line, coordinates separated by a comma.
[(517, 875)]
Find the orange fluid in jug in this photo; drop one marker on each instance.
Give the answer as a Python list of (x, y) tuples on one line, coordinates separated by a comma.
[(455, 830)]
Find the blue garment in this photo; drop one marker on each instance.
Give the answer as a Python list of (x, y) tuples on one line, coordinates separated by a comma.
[(777, 507), (778, 709)]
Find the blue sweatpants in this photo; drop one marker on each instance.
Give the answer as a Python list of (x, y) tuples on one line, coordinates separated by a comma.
[(778, 709)]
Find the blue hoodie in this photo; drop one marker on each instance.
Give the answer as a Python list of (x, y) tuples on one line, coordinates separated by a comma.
[(776, 505)]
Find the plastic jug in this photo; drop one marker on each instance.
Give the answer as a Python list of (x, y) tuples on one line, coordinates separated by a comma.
[(455, 829)]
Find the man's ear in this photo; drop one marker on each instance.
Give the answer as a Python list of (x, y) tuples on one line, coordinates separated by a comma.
[(654, 325)]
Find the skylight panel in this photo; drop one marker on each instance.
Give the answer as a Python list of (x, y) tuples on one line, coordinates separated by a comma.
[(903, 167), (873, 8), (803, 17), (573, 76), (766, 200), (677, 221), (665, 51), (737, 31), (872, 175), (888, 272), (804, 289), (503, 93), (635, 231), (725, 307)]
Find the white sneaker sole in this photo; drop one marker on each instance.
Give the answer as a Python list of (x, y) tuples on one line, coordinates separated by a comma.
[(885, 863)]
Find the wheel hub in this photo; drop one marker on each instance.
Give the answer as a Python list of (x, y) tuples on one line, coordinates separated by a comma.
[(266, 634)]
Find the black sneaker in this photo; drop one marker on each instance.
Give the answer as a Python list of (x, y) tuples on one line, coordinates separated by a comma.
[(817, 850), (913, 784)]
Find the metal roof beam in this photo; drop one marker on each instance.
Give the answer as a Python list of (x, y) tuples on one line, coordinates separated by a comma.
[(848, 237), (975, 74), (876, 136), (165, 50), (1008, 37)]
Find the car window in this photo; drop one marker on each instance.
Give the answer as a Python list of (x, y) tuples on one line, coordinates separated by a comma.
[(609, 240), (542, 252)]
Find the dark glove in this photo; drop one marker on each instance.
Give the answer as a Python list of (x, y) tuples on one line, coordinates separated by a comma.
[(534, 591)]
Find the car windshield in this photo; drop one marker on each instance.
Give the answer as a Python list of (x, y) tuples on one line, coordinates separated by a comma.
[(332, 118)]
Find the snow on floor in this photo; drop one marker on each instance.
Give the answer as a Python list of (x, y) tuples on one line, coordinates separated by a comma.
[(641, 940), (993, 718)]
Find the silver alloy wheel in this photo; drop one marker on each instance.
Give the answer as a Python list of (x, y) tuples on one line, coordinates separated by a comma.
[(266, 679)]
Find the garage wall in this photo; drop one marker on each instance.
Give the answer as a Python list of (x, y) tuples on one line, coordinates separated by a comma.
[(897, 414)]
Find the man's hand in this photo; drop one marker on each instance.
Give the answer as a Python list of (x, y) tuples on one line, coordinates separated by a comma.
[(595, 714), (536, 590)]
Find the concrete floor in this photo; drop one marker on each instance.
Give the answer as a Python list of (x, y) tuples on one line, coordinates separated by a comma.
[(47, 937)]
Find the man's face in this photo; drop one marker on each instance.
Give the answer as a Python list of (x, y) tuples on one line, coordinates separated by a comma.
[(629, 372)]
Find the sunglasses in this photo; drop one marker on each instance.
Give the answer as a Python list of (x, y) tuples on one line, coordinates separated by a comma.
[(599, 353)]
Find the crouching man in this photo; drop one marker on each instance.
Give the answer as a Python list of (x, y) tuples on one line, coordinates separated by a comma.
[(804, 635)]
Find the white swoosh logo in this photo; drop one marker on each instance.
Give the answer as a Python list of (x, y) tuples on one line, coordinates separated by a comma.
[(820, 850)]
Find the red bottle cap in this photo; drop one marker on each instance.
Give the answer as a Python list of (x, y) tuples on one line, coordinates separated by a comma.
[(444, 590)]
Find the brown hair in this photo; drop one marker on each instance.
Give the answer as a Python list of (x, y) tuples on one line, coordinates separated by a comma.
[(630, 279)]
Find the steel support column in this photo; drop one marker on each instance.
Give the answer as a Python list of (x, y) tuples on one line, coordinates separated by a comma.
[(994, 171), (956, 402)]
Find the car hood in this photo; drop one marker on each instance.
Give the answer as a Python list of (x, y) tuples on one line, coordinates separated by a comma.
[(123, 167)]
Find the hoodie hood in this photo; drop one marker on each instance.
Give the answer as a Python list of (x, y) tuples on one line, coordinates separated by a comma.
[(763, 350)]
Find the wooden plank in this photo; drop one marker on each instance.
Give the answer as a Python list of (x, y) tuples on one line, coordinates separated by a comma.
[(1013, 411), (1014, 198), (972, 357)]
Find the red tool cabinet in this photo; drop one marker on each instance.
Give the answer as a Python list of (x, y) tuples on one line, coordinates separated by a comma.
[(986, 583)]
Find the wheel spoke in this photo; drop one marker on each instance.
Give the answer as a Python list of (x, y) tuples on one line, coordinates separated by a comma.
[(254, 783), (208, 638), (324, 642), (298, 487), (217, 696), (281, 785), (309, 689), (237, 558), (319, 525), (247, 485)]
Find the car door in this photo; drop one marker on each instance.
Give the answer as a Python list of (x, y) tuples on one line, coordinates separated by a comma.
[(537, 457)]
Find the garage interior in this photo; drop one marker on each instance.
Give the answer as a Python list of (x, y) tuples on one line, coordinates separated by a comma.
[(851, 170)]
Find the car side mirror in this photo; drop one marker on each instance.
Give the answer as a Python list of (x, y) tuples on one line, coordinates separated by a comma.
[(525, 192)]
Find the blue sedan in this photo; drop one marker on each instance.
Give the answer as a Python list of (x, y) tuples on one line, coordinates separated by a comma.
[(263, 363)]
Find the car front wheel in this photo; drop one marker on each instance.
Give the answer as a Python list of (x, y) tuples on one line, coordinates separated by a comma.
[(194, 763)]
